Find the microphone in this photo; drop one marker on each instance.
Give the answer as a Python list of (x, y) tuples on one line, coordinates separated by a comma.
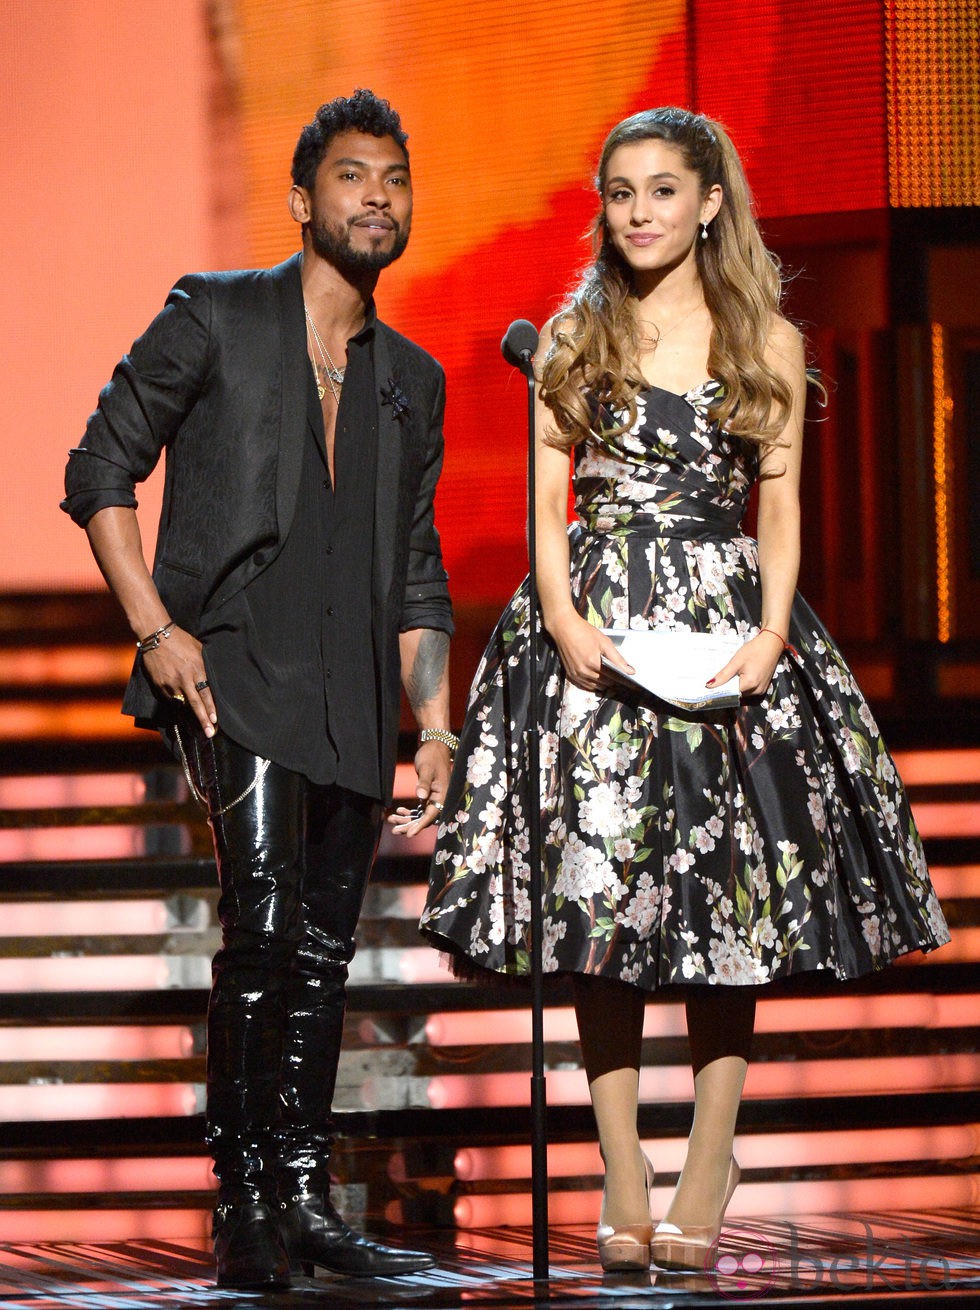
[(519, 344)]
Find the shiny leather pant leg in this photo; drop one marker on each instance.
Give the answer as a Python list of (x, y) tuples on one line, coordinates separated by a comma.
[(259, 849), (342, 834)]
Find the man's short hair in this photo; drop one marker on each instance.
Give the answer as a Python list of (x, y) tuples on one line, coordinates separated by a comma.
[(361, 112)]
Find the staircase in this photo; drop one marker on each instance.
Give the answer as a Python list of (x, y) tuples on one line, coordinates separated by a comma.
[(862, 1097)]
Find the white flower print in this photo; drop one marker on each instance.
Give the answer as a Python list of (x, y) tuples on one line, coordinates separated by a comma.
[(479, 769), (611, 757), (702, 839), (491, 815), (681, 861), (619, 611), (603, 810), (866, 717), (889, 812), (548, 749), (871, 928), (640, 913), (712, 570), (817, 813), (552, 934), (764, 933)]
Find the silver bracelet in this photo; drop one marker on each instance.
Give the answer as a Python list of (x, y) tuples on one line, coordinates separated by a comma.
[(440, 734), (146, 644)]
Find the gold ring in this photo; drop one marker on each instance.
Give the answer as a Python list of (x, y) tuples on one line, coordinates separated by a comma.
[(178, 696)]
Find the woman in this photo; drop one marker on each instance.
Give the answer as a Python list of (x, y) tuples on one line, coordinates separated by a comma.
[(717, 851)]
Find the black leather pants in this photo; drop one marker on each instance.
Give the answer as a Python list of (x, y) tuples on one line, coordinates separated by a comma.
[(293, 862)]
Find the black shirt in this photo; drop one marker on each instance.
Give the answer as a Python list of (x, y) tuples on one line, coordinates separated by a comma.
[(291, 657)]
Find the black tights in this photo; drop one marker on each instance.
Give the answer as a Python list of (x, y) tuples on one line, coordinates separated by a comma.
[(720, 1022)]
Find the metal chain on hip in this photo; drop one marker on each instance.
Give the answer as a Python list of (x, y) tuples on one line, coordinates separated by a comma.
[(201, 799)]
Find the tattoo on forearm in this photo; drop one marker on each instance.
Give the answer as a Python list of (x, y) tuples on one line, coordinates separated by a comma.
[(428, 668)]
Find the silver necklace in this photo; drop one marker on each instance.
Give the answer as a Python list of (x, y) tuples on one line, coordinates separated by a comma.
[(667, 331), (333, 374)]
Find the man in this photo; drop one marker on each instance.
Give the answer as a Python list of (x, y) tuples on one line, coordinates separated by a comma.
[(297, 573)]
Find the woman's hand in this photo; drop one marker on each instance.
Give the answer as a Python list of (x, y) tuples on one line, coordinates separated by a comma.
[(755, 663), (582, 648)]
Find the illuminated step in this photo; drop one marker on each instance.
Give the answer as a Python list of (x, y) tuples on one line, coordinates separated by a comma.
[(116, 787), (955, 1070), (393, 1078), (127, 973), (935, 1189), (156, 1042), (570, 1163), (84, 1101), (924, 1010), (173, 1174), (150, 916), (117, 1222)]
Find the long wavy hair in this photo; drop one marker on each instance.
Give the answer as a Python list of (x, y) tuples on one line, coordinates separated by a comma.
[(596, 342)]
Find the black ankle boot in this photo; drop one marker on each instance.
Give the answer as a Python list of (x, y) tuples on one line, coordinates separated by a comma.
[(313, 1233), (248, 1249)]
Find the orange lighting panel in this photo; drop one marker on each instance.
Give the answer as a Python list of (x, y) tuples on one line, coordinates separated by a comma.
[(27, 791), (65, 666), (188, 1227), (919, 768), (40, 1103), (168, 1173), (101, 843), (110, 1042)]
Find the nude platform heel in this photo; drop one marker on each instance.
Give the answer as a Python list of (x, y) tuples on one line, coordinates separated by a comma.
[(627, 1248), (688, 1248)]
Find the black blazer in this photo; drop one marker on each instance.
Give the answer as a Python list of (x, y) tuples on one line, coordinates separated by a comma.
[(219, 381)]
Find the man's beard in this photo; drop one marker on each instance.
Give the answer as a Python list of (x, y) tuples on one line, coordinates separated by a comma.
[(336, 247)]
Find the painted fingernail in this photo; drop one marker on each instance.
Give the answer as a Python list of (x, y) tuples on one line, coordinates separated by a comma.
[(710, 682)]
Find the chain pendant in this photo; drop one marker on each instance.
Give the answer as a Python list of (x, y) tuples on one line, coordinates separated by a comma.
[(320, 391)]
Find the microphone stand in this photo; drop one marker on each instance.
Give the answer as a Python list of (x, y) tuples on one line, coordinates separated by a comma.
[(518, 347)]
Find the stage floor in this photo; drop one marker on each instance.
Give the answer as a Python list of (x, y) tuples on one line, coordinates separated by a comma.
[(863, 1259)]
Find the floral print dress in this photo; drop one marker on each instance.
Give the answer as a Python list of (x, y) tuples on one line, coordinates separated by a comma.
[(735, 847)]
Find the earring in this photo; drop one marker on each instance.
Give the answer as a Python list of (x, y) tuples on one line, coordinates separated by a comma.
[(704, 231)]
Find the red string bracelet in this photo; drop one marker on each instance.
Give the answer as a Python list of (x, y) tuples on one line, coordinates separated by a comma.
[(786, 645)]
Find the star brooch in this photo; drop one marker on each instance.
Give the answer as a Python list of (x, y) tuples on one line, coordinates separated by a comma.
[(393, 395)]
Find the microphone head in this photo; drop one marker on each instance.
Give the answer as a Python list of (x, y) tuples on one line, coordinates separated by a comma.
[(519, 344)]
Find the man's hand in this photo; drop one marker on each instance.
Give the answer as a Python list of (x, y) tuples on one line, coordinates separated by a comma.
[(425, 677), (433, 764), (176, 668), (174, 665)]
